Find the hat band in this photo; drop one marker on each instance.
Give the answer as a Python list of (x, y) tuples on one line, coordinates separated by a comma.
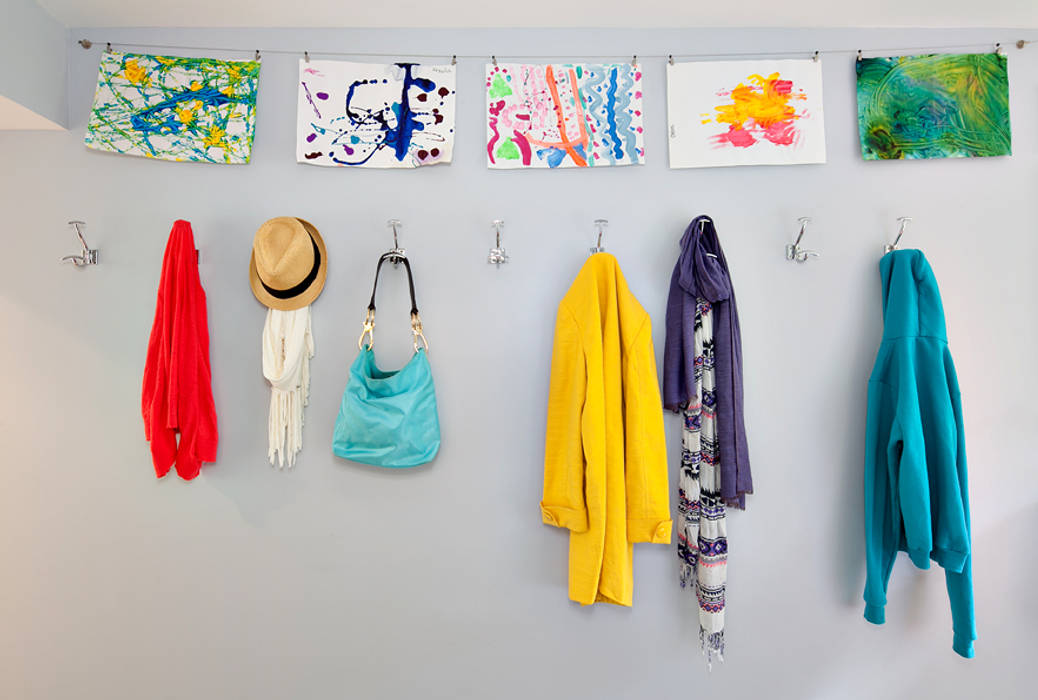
[(302, 286)]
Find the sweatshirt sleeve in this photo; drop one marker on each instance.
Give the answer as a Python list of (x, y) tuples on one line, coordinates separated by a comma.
[(563, 503), (645, 452), (880, 543), (960, 583), (907, 454)]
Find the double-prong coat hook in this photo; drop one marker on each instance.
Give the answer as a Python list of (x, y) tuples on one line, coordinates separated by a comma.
[(903, 221), (600, 227), (396, 253), (497, 255), (794, 251), (88, 256)]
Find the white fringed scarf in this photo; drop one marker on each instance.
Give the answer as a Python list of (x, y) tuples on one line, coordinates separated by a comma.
[(288, 346)]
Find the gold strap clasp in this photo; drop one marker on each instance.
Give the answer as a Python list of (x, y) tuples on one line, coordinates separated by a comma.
[(416, 329), (369, 330)]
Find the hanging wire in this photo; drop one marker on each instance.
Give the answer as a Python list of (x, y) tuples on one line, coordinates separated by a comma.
[(890, 51)]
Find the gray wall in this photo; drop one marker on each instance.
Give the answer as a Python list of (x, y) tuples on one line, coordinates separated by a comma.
[(337, 580), (32, 59)]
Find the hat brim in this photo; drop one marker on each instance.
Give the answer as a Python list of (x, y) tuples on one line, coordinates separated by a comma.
[(304, 297)]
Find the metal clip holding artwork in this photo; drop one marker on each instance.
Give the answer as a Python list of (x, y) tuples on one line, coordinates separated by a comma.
[(903, 221), (794, 251), (497, 255), (88, 256), (396, 253), (600, 227)]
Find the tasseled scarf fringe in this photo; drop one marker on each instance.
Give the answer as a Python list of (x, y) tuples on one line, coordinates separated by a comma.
[(288, 345), (712, 644)]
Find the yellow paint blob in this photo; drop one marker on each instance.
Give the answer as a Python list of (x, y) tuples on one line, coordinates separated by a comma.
[(215, 137), (136, 74), (762, 101)]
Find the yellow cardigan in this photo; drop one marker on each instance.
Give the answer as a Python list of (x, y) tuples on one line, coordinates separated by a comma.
[(605, 463)]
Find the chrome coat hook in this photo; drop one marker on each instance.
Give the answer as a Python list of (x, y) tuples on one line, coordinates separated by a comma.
[(497, 255), (903, 221), (396, 253), (600, 227), (794, 251), (88, 256)]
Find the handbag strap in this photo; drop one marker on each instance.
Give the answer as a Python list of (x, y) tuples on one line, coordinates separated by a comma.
[(410, 280), (369, 319)]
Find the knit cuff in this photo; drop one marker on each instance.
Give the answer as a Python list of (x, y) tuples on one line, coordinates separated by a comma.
[(920, 557), (876, 614), (649, 530), (963, 646), (953, 561), (569, 518)]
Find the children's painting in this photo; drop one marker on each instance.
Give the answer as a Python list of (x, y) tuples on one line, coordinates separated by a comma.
[(579, 115), (172, 108), (375, 115), (936, 106), (745, 113)]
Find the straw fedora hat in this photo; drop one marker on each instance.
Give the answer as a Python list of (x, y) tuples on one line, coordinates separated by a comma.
[(289, 263)]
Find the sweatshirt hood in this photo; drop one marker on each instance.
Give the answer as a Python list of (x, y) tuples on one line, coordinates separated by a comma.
[(911, 301)]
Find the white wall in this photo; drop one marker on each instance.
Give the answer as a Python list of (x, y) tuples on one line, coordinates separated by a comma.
[(336, 580), (32, 60)]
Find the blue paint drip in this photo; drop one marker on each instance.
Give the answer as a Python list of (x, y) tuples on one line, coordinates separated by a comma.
[(624, 118), (398, 137), (143, 120), (618, 151), (554, 156), (595, 104)]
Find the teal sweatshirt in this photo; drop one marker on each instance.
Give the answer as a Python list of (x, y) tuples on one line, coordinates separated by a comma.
[(915, 451)]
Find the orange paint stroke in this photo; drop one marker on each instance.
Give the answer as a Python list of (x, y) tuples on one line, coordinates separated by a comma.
[(568, 145)]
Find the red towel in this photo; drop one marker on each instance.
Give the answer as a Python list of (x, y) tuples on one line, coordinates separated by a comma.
[(177, 395)]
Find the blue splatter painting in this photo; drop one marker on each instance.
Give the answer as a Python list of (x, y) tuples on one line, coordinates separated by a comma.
[(372, 115), (174, 108)]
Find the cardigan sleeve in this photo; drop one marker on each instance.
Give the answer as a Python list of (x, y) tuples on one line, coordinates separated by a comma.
[(563, 504), (645, 449)]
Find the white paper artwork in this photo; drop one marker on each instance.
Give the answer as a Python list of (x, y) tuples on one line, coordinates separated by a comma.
[(745, 113), (374, 115)]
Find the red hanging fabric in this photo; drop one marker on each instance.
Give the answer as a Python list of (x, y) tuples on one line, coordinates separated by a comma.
[(177, 394)]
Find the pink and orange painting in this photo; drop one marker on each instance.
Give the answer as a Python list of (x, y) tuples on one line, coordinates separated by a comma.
[(745, 113), (570, 115)]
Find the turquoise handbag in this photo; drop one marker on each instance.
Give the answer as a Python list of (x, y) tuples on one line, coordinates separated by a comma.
[(389, 419)]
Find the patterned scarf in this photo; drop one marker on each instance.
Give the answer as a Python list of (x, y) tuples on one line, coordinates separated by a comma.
[(703, 537)]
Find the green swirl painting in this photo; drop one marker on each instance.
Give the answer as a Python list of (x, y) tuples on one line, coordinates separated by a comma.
[(935, 106), (173, 108)]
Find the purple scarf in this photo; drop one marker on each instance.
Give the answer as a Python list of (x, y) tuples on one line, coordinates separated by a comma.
[(702, 271)]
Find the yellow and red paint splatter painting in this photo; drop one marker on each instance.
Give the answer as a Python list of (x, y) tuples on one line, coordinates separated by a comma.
[(753, 112), (761, 107)]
